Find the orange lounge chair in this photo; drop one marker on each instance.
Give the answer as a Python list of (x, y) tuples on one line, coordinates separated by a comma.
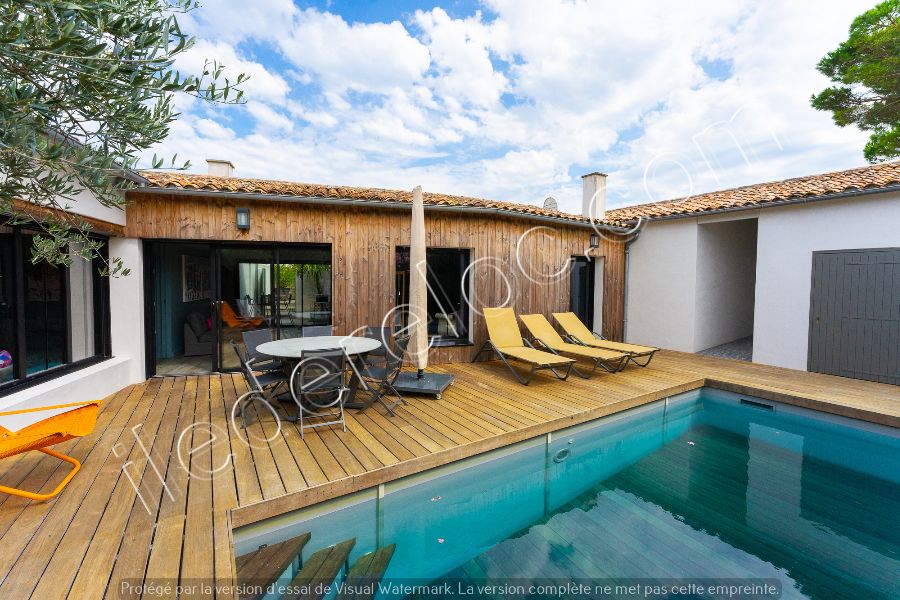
[(231, 319), (19, 433)]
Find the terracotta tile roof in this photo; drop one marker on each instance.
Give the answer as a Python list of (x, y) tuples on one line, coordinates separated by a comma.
[(309, 190), (760, 194)]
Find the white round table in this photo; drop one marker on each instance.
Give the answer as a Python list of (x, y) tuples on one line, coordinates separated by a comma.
[(356, 348), (295, 347)]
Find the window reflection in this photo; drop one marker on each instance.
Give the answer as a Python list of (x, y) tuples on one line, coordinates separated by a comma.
[(446, 278)]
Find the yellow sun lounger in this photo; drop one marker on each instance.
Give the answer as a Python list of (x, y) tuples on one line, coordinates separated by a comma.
[(506, 342), (544, 334), (20, 432), (578, 333)]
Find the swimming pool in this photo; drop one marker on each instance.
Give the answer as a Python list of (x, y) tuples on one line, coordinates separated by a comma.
[(705, 488)]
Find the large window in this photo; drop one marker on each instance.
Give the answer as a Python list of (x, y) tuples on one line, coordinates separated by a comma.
[(52, 318), (448, 287)]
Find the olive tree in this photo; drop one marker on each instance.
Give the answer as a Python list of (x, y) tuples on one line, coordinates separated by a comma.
[(86, 89)]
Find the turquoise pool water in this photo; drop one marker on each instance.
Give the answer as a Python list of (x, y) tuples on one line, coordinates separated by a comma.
[(704, 488)]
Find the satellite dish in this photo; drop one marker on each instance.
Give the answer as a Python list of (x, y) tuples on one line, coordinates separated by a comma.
[(550, 203)]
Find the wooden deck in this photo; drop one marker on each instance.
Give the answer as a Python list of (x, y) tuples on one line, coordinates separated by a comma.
[(165, 478)]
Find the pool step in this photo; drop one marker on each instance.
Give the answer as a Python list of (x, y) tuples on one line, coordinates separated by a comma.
[(260, 568), (362, 580), (322, 568)]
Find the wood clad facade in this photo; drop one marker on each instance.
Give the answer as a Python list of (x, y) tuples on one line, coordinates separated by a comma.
[(363, 245)]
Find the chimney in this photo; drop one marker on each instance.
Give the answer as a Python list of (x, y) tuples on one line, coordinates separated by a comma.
[(219, 168), (593, 195)]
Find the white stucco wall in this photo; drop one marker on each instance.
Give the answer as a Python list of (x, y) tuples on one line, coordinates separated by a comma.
[(86, 204), (126, 306), (661, 286), (90, 383), (787, 237), (686, 288), (726, 276)]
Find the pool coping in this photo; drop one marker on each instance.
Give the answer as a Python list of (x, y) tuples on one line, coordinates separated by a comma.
[(274, 507)]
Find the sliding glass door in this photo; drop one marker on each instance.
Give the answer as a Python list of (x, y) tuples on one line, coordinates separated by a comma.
[(246, 297), (204, 296), (280, 288), (304, 288)]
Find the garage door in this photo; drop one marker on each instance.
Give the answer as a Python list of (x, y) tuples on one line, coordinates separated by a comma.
[(854, 320)]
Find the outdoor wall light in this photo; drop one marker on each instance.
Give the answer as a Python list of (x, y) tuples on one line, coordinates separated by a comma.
[(595, 240), (242, 218)]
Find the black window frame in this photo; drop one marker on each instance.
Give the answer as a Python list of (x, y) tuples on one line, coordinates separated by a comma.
[(437, 340), (101, 316)]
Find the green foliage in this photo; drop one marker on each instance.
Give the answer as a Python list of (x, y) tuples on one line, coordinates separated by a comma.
[(288, 272), (85, 88), (867, 69)]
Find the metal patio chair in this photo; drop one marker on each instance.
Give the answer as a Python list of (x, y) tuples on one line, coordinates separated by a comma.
[(319, 388), (380, 380), (263, 386), (252, 339), (377, 357), (315, 330)]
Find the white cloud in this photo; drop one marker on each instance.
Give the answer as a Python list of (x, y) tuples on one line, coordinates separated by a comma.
[(515, 103), (213, 130), (262, 85), (462, 60), (364, 57), (268, 119)]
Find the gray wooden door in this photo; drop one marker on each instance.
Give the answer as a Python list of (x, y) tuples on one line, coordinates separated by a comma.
[(854, 316)]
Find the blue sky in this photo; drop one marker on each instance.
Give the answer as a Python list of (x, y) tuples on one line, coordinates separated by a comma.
[(515, 99)]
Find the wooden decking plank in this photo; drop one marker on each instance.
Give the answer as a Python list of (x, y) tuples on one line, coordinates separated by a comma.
[(196, 566), (447, 410), (462, 401), (224, 485), (322, 567), (285, 463), (550, 399), (452, 432), (164, 562), (387, 433), (269, 478), (405, 433), (309, 467), (396, 448), (365, 573), (142, 522), (264, 565), (422, 423), (93, 575), (505, 407), (320, 452), (246, 477), (353, 456), (106, 503), (381, 454)]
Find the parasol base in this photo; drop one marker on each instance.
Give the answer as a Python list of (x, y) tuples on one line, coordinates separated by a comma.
[(433, 384)]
